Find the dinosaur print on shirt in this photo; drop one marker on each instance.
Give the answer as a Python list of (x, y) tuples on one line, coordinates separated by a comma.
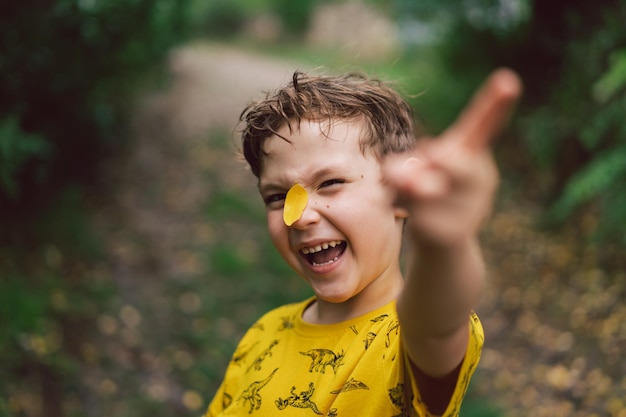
[(302, 400), (350, 385), (321, 358), (258, 361), (251, 394)]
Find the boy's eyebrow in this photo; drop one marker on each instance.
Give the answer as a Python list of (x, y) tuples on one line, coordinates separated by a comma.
[(266, 188), (320, 173)]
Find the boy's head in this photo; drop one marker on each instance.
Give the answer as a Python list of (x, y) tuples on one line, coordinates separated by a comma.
[(387, 117)]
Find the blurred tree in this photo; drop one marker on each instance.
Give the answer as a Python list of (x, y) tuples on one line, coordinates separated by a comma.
[(69, 70), (571, 55), (295, 15), (221, 18)]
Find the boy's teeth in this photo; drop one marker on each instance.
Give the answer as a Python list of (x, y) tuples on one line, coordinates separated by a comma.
[(321, 247)]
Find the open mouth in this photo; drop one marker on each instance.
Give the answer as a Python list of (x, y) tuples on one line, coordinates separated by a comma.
[(325, 253)]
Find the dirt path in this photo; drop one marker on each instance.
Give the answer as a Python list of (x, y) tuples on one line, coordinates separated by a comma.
[(538, 359)]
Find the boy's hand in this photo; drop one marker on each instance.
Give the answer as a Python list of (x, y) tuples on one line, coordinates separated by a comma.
[(447, 184)]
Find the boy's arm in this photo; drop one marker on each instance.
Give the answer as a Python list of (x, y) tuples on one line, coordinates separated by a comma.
[(447, 186)]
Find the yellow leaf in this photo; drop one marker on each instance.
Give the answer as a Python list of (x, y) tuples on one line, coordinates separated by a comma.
[(295, 203)]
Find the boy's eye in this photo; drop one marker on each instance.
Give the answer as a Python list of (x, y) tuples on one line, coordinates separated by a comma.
[(328, 183), (274, 198)]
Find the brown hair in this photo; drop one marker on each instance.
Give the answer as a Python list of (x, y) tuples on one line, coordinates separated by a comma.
[(389, 123)]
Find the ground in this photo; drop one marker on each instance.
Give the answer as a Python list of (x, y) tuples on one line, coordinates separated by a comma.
[(552, 313)]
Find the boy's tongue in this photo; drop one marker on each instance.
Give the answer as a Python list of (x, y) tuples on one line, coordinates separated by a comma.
[(327, 254)]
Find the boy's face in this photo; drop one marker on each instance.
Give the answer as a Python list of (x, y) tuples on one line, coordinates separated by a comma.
[(347, 241)]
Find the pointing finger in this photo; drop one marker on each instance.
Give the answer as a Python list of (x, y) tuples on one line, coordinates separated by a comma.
[(488, 111)]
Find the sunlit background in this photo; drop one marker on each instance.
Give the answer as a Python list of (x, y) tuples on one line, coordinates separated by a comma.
[(133, 251)]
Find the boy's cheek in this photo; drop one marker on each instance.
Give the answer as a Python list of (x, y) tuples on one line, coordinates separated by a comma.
[(275, 221), (278, 231)]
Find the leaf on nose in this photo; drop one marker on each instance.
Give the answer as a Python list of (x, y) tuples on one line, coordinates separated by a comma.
[(295, 203)]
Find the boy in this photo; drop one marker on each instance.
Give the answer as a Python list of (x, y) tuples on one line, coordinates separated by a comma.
[(343, 178)]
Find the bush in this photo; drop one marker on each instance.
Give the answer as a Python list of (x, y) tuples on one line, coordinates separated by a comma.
[(70, 69)]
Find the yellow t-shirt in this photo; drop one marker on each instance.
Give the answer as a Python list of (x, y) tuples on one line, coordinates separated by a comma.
[(286, 367)]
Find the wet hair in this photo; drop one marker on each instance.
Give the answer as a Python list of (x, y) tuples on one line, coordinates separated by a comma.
[(388, 119)]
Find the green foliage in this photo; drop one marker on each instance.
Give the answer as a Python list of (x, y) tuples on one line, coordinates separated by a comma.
[(571, 122), (228, 262), (600, 178), (475, 404), (221, 18), (227, 205), (224, 19), (70, 71), (66, 223), (38, 264), (16, 148), (614, 80), (25, 306), (295, 15)]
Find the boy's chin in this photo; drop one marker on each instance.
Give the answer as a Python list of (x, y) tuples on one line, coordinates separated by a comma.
[(333, 297)]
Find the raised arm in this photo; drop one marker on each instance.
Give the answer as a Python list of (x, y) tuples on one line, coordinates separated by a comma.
[(447, 186)]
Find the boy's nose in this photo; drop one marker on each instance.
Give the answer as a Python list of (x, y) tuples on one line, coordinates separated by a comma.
[(310, 216)]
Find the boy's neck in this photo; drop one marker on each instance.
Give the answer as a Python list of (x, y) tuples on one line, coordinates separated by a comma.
[(325, 312)]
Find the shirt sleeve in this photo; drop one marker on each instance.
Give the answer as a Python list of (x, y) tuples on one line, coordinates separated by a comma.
[(216, 405), (470, 362)]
